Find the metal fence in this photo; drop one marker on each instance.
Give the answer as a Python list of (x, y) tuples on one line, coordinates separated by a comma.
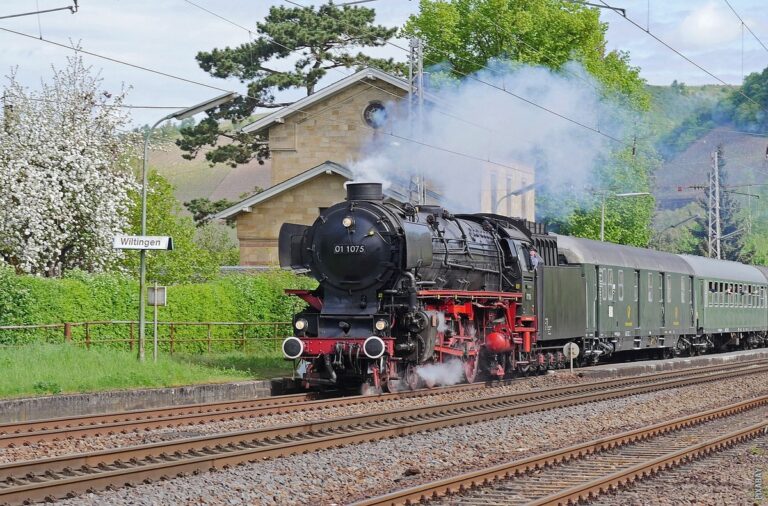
[(173, 337)]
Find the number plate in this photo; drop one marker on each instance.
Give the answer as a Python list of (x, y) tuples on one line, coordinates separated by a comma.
[(348, 249)]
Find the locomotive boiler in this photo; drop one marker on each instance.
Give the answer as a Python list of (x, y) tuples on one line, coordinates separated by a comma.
[(403, 285)]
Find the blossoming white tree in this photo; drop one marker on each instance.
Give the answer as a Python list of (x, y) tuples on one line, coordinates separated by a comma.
[(64, 173)]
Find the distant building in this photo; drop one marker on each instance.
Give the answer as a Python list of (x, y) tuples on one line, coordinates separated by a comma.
[(310, 142)]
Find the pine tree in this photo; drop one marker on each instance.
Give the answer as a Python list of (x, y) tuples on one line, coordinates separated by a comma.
[(316, 39)]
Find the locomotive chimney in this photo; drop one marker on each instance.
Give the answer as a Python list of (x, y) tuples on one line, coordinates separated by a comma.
[(364, 191)]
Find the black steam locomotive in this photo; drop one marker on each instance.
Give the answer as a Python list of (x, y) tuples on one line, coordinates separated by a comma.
[(401, 286)]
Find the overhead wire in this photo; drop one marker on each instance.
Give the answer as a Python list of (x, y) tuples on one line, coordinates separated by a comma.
[(192, 81), (114, 60), (745, 25), (395, 95), (6, 96), (371, 85), (686, 58), (502, 89)]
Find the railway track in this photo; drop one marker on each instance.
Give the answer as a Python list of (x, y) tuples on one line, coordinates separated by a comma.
[(58, 477), (24, 433), (582, 472)]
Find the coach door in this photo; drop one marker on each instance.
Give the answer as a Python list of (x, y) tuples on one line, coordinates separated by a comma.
[(689, 294), (632, 321)]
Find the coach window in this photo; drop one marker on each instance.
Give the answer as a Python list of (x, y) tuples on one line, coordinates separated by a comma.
[(669, 287), (650, 287), (621, 285)]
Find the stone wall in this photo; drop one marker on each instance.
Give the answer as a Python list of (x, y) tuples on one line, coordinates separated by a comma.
[(259, 229)]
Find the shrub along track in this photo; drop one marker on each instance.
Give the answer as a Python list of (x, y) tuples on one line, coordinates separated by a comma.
[(23, 433), (582, 472), (69, 475)]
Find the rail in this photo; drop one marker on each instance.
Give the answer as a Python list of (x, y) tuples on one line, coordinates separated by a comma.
[(67, 475), (174, 336)]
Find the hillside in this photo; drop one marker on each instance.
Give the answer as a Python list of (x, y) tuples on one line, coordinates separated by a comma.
[(196, 178)]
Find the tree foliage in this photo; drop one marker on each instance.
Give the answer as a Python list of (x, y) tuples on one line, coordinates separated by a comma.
[(751, 114), (468, 34), (189, 262), (203, 209), (627, 219), (314, 39), (64, 173)]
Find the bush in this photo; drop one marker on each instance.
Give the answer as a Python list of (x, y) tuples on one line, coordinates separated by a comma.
[(82, 297)]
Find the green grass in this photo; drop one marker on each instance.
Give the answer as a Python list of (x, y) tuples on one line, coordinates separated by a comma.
[(261, 366), (44, 369)]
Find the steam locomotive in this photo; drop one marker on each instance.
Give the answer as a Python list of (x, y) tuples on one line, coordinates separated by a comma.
[(401, 286)]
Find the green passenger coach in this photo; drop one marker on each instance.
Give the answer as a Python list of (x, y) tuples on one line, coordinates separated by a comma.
[(611, 298)]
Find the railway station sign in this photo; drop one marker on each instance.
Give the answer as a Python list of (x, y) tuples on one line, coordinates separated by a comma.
[(154, 242)]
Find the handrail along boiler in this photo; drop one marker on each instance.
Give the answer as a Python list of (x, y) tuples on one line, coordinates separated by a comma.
[(403, 285)]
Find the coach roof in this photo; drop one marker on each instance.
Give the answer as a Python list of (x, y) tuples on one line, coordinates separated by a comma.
[(585, 251), (710, 268)]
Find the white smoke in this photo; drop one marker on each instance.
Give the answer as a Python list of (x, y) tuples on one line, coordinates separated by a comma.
[(445, 374), (441, 325), (491, 125)]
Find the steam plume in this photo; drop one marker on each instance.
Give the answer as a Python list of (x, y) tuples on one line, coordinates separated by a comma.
[(490, 124)]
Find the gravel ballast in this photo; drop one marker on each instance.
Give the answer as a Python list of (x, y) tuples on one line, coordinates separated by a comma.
[(738, 475), (346, 474), (95, 443)]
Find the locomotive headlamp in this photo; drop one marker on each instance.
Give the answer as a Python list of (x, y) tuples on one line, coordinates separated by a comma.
[(293, 348), (380, 325), (300, 324), (347, 222)]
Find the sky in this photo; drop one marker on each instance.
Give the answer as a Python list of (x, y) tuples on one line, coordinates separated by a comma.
[(165, 35)]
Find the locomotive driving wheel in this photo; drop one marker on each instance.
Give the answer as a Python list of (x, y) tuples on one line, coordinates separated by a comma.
[(411, 378), (470, 368), (401, 383), (475, 368)]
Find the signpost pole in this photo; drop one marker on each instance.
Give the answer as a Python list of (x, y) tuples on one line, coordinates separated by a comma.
[(571, 364), (154, 349), (142, 243)]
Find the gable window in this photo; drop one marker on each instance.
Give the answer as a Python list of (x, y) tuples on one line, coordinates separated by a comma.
[(375, 114)]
